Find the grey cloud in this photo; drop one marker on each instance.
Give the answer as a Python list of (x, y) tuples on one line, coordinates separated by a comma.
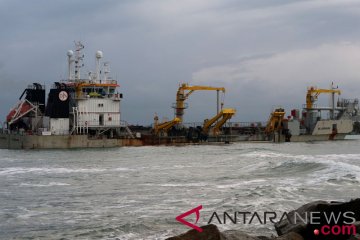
[(155, 45), (282, 79)]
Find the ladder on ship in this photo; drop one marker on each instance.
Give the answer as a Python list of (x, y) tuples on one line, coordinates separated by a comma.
[(125, 125), (219, 120)]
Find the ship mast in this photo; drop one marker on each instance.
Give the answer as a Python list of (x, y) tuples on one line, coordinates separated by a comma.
[(78, 59), (70, 55), (98, 56), (106, 70)]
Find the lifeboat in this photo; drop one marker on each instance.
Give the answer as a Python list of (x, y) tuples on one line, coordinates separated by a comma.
[(18, 111)]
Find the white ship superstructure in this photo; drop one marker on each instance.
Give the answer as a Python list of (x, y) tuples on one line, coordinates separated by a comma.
[(95, 108)]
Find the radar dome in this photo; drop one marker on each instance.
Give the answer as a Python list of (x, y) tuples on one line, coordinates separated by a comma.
[(70, 53), (99, 54)]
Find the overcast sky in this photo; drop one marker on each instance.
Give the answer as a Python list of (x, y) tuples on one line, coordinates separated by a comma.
[(265, 52)]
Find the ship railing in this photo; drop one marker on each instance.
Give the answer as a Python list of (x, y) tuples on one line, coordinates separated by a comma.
[(314, 106), (108, 81), (113, 96), (193, 124), (246, 124), (228, 124), (348, 102), (94, 124)]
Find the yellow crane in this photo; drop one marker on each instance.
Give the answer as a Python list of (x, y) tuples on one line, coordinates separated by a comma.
[(313, 93), (220, 119), (165, 126), (275, 121), (182, 95)]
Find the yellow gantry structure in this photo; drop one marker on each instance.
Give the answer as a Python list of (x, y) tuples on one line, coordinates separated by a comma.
[(185, 91), (220, 119), (313, 93), (275, 120)]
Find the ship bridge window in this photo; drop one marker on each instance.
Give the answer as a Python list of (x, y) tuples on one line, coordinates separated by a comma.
[(100, 105), (94, 89), (94, 92)]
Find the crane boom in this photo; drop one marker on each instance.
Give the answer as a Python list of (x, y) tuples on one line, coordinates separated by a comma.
[(182, 95), (313, 93), (194, 88)]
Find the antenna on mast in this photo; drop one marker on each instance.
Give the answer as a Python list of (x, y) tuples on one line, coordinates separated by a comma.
[(78, 59), (106, 70)]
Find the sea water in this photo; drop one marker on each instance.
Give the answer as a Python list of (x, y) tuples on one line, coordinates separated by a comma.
[(136, 192)]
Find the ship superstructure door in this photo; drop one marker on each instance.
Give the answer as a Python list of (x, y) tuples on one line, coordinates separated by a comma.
[(101, 119)]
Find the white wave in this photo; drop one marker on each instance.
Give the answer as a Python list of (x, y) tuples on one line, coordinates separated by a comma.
[(242, 183), (27, 213), (19, 170), (265, 154), (159, 235), (225, 186), (344, 161), (182, 166), (327, 157), (337, 169), (175, 184), (276, 155), (184, 185), (128, 236), (122, 169), (50, 184)]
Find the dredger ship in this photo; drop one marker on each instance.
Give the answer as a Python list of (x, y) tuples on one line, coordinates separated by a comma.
[(80, 112), (85, 113), (310, 125)]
